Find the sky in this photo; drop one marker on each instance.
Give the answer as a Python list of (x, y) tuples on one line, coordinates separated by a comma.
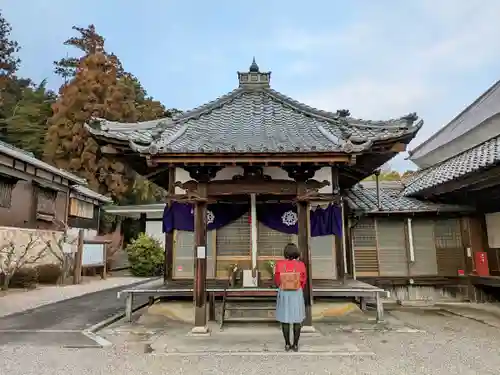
[(380, 59)]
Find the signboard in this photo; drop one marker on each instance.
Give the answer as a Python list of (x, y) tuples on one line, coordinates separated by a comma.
[(93, 254), (201, 252)]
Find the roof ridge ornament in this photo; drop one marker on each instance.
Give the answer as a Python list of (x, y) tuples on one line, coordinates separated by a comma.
[(254, 68), (410, 118), (254, 78)]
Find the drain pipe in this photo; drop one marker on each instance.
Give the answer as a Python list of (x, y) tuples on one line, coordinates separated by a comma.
[(377, 183)]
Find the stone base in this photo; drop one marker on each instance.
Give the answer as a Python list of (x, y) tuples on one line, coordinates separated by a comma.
[(199, 331), (309, 331)]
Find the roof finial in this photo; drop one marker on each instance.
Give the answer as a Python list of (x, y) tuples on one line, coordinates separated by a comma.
[(254, 68)]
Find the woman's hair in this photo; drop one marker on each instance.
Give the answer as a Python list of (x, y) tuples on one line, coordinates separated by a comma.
[(291, 252)]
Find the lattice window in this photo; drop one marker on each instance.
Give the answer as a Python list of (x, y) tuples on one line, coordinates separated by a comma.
[(81, 209), (6, 188), (234, 238), (46, 201), (448, 234), (449, 246), (364, 240), (392, 249), (271, 243)]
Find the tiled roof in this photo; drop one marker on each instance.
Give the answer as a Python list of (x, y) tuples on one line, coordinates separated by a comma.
[(364, 199), (29, 158), (484, 155), (91, 194), (483, 108), (256, 118), (140, 132)]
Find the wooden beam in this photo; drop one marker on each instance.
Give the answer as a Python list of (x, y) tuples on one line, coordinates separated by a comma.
[(220, 188), (398, 147), (258, 159)]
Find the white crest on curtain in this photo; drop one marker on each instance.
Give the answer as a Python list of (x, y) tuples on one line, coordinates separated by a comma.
[(289, 218)]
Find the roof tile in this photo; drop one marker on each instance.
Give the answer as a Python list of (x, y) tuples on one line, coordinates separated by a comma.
[(482, 156)]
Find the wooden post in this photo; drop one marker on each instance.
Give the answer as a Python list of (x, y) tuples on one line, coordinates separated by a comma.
[(142, 222), (105, 256), (168, 271), (468, 260), (200, 255), (303, 242), (339, 241), (77, 267)]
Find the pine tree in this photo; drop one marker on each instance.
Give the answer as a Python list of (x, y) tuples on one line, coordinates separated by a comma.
[(90, 41), (9, 62), (95, 91), (26, 125)]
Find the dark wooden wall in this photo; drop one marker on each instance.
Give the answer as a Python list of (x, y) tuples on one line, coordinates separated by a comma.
[(85, 223)]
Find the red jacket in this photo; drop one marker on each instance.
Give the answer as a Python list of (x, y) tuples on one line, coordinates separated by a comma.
[(289, 265)]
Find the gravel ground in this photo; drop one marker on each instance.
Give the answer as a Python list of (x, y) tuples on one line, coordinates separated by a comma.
[(451, 345)]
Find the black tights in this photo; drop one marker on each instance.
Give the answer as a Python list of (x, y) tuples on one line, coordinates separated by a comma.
[(285, 328)]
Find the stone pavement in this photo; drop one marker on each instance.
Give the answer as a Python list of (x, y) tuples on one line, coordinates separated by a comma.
[(251, 339), (27, 300), (443, 345), (486, 313)]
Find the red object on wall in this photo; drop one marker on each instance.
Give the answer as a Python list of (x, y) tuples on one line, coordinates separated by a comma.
[(481, 262)]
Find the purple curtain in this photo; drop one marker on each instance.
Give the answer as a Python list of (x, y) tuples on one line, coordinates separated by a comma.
[(326, 221), (278, 216), (180, 216), (282, 217)]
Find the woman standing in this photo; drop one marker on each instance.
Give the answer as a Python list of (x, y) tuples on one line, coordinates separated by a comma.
[(290, 276)]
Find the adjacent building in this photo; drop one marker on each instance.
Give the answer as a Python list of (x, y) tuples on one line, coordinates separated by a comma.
[(37, 195)]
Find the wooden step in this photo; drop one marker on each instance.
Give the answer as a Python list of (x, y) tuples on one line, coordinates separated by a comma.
[(244, 308)]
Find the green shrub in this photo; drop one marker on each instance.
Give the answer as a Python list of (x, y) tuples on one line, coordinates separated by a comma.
[(26, 277), (48, 273), (145, 256)]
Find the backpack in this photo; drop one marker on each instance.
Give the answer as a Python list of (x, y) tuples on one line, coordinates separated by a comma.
[(289, 280)]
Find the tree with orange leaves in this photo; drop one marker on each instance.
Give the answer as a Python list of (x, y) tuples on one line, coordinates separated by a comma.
[(95, 91)]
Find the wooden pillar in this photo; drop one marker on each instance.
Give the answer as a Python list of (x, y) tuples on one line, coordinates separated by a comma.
[(142, 222), (303, 242), (347, 241), (200, 266), (339, 245), (468, 260), (169, 237)]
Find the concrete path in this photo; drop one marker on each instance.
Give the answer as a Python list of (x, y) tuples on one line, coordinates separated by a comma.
[(23, 301), (61, 323)]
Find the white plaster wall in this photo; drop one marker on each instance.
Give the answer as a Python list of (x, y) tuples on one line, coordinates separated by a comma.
[(276, 173), (460, 142), (493, 229), (154, 215), (154, 229), (88, 234)]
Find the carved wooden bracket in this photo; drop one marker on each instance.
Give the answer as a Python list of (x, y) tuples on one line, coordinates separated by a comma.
[(203, 173), (301, 172), (252, 174), (316, 185)]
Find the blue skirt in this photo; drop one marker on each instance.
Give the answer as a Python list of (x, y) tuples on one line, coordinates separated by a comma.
[(290, 307)]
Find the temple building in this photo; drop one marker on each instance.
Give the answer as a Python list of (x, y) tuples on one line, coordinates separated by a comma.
[(460, 164), (254, 169)]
